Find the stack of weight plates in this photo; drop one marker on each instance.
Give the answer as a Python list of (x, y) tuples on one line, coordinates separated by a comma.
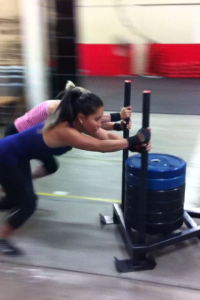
[(165, 193)]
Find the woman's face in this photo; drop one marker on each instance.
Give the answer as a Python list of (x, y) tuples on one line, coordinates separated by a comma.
[(92, 122)]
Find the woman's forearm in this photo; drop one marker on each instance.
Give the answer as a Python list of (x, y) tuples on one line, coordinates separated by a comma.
[(105, 118), (112, 145)]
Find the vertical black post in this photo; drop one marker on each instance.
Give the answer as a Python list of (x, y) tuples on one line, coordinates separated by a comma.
[(63, 45), (144, 167), (127, 101)]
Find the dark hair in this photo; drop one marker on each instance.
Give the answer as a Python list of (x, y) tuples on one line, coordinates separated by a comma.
[(68, 87), (60, 95), (72, 103)]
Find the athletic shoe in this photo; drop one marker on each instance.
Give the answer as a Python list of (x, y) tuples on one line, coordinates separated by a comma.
[(7, 248)]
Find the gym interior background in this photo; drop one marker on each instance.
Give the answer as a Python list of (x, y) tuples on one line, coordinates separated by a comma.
[(98, 44)]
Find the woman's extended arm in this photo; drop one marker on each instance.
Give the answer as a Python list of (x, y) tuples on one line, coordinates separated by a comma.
[(114, 117), (116, 126), (103, 142)]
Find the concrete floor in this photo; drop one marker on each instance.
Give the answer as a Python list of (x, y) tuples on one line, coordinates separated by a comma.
[(68, 255)]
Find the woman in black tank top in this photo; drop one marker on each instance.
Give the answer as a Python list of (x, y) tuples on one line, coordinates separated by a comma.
[(83, 112)]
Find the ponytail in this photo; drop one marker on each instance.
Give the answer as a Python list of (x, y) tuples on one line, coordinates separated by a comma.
[(75, 100), (68, 87), (65, 109)]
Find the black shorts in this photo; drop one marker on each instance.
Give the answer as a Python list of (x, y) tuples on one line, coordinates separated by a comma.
[(11, 129)]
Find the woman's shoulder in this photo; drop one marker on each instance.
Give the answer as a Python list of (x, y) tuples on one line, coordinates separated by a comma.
[(52, 105)]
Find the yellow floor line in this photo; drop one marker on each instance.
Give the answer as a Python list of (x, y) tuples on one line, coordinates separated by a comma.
[(79, 197)]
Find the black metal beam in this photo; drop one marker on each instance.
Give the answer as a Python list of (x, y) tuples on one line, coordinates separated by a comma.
[(127, 102), (144, 167)]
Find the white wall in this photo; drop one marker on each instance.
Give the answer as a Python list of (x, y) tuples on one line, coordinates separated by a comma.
[(195, 35), (102, 21), (138, 22)]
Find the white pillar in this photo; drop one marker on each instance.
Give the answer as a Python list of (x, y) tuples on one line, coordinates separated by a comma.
[(32, 29)]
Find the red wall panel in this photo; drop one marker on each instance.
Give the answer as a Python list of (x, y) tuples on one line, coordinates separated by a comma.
[(174, 60), (104, 59)]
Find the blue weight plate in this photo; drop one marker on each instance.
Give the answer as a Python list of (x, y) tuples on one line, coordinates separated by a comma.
[(159, 165), (156, 184)]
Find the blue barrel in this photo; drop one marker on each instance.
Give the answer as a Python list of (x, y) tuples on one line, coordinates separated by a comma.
[(165, 192)]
